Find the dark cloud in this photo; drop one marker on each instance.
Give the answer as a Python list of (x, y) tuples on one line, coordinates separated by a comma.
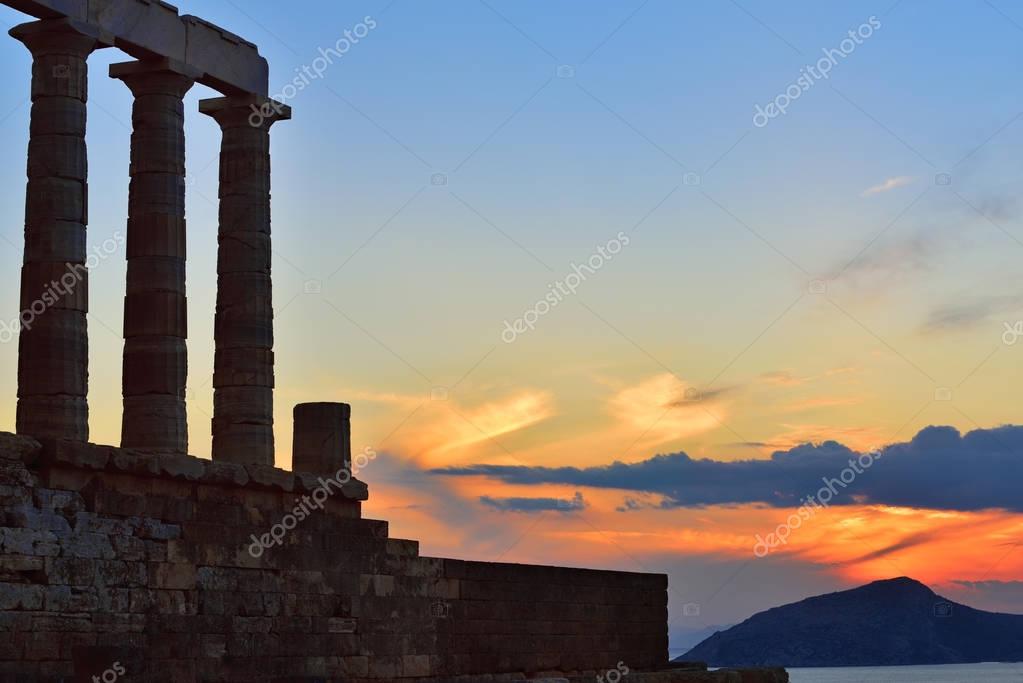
[(911, 541), (630, 504), (574, 504), (939, 469)]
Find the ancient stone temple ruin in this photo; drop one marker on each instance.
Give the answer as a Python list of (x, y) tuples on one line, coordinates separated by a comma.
[(140, 562)]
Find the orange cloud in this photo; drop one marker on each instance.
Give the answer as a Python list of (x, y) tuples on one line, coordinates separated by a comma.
[(821, 402), (858, 438), (662, 408), (442, 430)]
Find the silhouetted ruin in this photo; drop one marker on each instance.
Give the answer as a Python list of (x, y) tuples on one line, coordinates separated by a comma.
[(140, 562)]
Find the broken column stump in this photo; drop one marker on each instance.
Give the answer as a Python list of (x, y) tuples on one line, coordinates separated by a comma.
[(322, 441)]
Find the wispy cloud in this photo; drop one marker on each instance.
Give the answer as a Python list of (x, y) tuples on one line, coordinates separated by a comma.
[(916, 244), (786, 378), (888, 185), (962, 316), (663, 408), (821, 402)]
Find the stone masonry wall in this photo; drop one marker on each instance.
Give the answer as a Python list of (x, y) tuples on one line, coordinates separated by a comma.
[(109, 556)]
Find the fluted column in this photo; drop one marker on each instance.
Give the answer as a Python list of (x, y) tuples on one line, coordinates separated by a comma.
[(155, 363), (53, 347), (243, 376)]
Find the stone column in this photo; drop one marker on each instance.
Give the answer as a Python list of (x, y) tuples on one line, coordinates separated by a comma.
[(322, 442), (155, 308), (53, 347), (243, 376)]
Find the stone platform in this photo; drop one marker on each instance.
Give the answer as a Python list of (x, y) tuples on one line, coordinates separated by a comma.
[(166, 566)]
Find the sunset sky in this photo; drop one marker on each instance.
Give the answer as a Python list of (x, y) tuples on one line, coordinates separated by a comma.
[(848, 272)]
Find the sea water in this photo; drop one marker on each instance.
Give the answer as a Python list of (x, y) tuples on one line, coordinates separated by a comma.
[(947, 673)]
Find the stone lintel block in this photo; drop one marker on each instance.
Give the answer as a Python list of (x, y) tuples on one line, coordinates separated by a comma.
[(16, 447), (226, 473), (230, 63), (270, 477), (134, 462), (154, 29), (142, 29), (76, 454), (181, 467), (138, 472)]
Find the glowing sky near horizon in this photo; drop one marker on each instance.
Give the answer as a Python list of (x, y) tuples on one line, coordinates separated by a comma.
[(813, 279)]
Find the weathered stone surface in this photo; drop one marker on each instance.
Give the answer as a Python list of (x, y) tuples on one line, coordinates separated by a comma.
[(226, 473), (53, 416), (66, 452), (155, 423), (176, 568), (186, 559), (271, 477), (155, 306), (53, 349), (243, 325), (224, 60), (183, 467), (322, 438), (22, 448)]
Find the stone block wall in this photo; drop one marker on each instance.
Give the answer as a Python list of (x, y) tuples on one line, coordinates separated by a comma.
[(165, 566)]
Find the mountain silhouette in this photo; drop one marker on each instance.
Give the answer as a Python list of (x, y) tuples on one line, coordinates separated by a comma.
[(886, 623)]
